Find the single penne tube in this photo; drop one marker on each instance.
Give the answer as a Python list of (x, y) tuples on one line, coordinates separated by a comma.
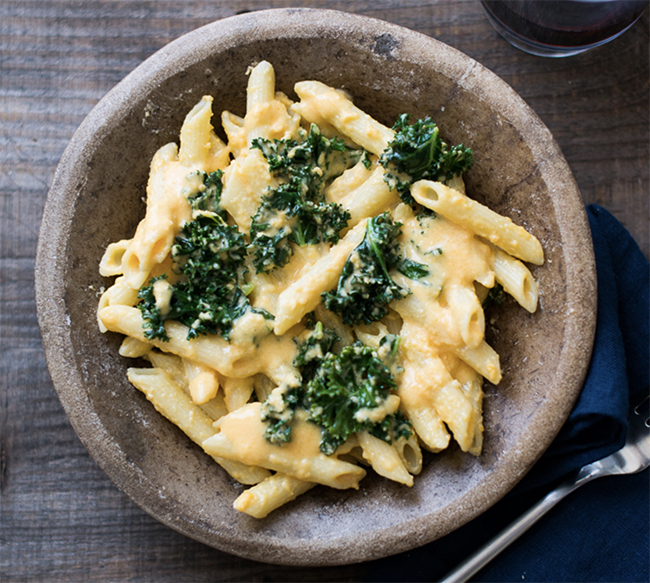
[(134, 348), (370, 198), (237, 392), (167, 210), (468, 213), (273, 492), (200, 147), (427, 425), (176, 368), (339, 111), (384, 458), (267, 117), (457, 183), (472, 386), (483, 359), (516, 279), (263, 387), (233, 126), (170, 400), (410, 453), (303, 296), (120, 293), (467, 313), (245, 182), (261, 85), (111, 263), (349, 181), (300, 458), (457, 412)]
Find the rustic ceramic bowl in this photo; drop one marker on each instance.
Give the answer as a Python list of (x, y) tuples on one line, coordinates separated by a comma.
[(519, 171)]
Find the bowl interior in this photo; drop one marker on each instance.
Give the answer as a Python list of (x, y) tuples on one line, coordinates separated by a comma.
[(96, 198)]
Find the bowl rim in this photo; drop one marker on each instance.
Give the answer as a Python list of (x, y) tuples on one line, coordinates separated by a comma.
[(192, 48)]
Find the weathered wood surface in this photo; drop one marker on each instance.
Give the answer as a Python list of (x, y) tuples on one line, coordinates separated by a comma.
[(60, 516)]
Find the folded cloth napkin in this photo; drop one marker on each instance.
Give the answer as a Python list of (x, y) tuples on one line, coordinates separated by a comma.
[(601, 532)]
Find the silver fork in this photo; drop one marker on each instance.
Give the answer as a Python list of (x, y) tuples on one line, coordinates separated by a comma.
[(633, 457)]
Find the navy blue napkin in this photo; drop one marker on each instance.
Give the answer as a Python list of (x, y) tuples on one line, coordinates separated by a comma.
[(600, 533)]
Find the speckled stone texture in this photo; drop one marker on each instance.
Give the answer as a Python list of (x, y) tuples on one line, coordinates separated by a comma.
[(519, 171)]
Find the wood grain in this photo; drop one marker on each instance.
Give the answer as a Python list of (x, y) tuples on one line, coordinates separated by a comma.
[(61, 519)]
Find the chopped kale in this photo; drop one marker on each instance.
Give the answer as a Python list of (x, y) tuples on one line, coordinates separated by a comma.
[(209, 198), (312, 348), (496, 295), (152, 318), (344, 392), (209, 298), (412, 269), (417, 152), (296, 211), (365, 287)]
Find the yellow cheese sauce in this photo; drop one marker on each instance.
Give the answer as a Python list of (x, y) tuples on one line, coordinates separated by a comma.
[(241, 437)]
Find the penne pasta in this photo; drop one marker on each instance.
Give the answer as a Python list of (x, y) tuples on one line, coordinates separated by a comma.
[(303, 296), (306, 320), (318, 101), (516, 279), (301, 458), (170, 400), (273, 492), (497, 229)]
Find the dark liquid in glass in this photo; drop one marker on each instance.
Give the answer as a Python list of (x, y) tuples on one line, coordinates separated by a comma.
[(566, 23)]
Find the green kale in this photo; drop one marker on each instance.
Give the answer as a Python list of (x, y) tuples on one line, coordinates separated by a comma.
[(314, 162), (496, 295), (209, 198), (312, 348), (296, 211), (152, 319), (300, 221), (339, 391), (417, 152), (209, 298), (365, 287), (412, 269), (343, 393)]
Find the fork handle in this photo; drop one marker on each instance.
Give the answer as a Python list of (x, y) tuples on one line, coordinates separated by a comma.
[(485, 554)]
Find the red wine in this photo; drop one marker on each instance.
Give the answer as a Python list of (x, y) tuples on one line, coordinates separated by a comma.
[(563, 24)]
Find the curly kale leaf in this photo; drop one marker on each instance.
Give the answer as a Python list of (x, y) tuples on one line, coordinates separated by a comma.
[(314, 162), (209, 298), (208, 198), (152, 318), (412, 269), (365, 287), (284, 217), (417, 152), (344, 392), (312, 348), (296, 211)]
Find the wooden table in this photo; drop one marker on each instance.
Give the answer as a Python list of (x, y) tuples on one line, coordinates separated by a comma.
[(60, 516)]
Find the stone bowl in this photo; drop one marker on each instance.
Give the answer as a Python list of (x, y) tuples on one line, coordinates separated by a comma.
[(519, 171)]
